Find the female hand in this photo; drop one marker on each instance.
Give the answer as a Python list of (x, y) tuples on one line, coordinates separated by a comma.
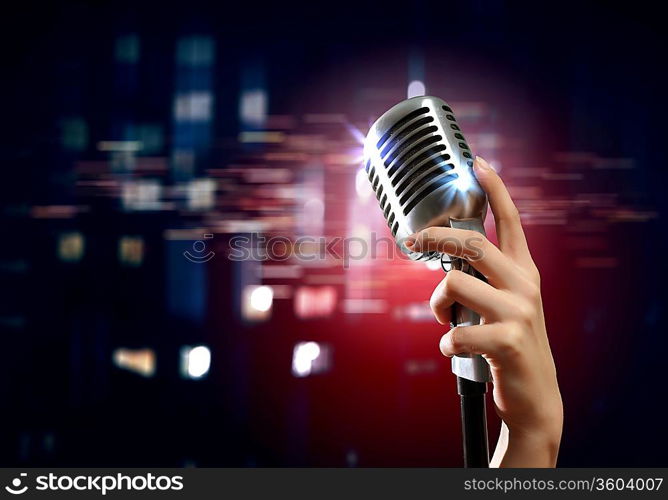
[(512, 336)]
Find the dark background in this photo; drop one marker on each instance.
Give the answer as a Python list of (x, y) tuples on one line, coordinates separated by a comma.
[(567, 78)]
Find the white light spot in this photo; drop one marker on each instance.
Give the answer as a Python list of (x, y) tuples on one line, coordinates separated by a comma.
[(262, 298), (201, 194), (196, 361), (253, 107), (416, 88), (303, 356), (141, 194)]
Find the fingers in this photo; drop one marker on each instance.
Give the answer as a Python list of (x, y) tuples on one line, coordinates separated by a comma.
[(470, 292), (492, 340), (508, 224), (473, 246)]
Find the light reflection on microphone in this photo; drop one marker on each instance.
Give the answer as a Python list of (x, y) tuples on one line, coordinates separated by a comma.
[(464, 180)]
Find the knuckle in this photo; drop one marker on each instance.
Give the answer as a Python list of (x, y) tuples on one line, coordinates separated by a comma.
[(531, 272), (475, 247), (535, 273), (533, 292), (452, 282), (524, 310), (510, 344)]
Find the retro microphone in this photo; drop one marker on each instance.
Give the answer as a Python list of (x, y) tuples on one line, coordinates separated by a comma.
[(420, 168)]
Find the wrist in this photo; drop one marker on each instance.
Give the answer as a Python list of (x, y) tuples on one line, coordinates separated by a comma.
[(523, 448), (531, 448), (539, 432)]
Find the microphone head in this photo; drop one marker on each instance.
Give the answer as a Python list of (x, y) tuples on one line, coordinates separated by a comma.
[(420, 168)]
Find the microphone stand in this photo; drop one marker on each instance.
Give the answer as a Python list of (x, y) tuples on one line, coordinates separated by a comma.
[(474, 422), (474, 418), (472, 372)]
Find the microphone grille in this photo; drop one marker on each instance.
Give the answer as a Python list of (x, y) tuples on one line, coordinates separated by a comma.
[(417, 149)]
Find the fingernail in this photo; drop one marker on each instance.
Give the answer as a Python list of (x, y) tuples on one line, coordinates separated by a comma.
[(409, 242), (480, 162)]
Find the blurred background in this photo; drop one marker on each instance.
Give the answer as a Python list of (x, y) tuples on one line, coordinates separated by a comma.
[(141, 140)]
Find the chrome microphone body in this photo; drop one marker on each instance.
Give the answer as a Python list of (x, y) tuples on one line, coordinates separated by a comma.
[(420, 167)]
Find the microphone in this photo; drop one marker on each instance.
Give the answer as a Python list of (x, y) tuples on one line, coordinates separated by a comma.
[(420, 167)]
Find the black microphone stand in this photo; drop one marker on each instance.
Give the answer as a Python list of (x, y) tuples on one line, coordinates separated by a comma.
[(474, 422), (472, 403)]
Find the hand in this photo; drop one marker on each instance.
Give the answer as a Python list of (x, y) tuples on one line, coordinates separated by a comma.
[(512, 336)]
